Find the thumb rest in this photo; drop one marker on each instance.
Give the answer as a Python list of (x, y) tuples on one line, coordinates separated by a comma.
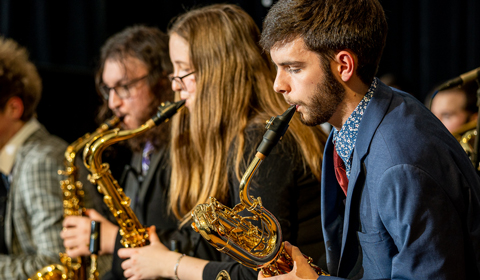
[(133, 233), (257, 247), (73, 194)]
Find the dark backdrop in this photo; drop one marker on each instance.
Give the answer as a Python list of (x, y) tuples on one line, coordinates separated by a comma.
[(429, 41)]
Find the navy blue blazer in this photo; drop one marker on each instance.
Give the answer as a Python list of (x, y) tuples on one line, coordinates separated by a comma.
[(413, 203)]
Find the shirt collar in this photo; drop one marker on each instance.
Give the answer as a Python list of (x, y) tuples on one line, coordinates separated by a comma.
[(345, 138), (9, 151)]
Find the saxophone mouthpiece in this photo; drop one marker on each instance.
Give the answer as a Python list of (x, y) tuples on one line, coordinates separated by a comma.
[(276, 128), (167, 110), (113, 122)]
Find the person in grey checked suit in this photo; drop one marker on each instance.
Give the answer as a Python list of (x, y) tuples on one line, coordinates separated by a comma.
[(31, 205)]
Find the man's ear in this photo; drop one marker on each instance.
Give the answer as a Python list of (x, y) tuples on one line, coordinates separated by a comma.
[(345, 64), (14, 108)]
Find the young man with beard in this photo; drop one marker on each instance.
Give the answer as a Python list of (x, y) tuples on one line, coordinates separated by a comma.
[(132, 79), (400, 199)]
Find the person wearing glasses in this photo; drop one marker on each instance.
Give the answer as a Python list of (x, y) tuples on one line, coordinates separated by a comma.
[(227, 82), (132, 79)]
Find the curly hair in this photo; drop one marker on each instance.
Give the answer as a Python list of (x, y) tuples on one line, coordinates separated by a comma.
[(150, 46), (18, 77)]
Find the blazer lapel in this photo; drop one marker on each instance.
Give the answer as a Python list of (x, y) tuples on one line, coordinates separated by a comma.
[(331, 209), (376, 110)]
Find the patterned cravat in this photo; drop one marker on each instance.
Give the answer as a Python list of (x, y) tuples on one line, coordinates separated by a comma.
[(147, 152), (340, 171)]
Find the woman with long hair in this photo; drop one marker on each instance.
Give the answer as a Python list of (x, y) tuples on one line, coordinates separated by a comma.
[(227, 82)]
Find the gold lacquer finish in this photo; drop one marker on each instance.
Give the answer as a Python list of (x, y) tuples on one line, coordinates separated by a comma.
[(73, 194), (256, 240), (133, 233), (223, 275), (466, 136)]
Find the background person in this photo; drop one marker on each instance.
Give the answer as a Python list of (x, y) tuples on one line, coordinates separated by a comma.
[(31, 203), (226, 80), (132, 79), (455, 107)]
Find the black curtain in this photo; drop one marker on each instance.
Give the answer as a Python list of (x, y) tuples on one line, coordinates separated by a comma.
[(429, 41)]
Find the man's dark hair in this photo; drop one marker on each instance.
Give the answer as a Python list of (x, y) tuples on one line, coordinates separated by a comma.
[(329, 26)]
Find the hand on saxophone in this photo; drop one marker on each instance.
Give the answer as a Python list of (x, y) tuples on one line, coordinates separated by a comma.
[(301, 268), (76, 234), (149, 262)]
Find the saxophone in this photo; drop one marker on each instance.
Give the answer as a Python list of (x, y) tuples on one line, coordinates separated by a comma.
[(257, 247), (73, 194), (133, 233)]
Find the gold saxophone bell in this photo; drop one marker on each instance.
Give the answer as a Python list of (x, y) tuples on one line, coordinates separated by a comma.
[(50, 272), (223, 275), (257, 247)]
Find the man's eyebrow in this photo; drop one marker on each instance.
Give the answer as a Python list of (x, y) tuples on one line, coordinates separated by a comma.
[(296, 63)]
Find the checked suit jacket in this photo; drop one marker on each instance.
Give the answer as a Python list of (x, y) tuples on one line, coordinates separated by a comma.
[(34, 212)]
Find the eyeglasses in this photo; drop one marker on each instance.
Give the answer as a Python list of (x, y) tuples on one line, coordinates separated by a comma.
[(121, 90), (179, 79)]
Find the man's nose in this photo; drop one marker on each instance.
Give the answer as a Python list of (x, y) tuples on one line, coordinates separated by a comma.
[(114, 101), (281, 84)]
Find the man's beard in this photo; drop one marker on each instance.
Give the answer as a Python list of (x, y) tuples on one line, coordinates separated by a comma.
[(328, 95), (158, 136)]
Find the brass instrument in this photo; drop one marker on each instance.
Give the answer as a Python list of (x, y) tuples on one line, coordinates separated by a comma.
[(257, 247), (133, 233), (466, 136), (223, 275), (458, 134), (73, 194)]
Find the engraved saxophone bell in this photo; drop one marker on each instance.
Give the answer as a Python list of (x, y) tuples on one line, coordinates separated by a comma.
[(257, 246)]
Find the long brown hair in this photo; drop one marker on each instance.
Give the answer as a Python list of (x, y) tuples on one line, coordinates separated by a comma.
[(234, 89)]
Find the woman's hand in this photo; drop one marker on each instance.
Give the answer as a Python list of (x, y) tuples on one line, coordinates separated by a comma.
[(149, 262)]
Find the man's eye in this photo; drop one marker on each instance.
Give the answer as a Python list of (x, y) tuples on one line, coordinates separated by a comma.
[(293, 70)]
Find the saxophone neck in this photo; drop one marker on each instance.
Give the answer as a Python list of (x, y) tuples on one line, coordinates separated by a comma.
[(94, 148), (80, 143), (276, 128)]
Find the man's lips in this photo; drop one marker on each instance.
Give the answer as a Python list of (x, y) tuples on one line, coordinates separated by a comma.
[(293, 104)]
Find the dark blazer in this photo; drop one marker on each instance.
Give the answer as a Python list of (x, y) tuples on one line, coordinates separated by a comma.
[(413, 201)]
